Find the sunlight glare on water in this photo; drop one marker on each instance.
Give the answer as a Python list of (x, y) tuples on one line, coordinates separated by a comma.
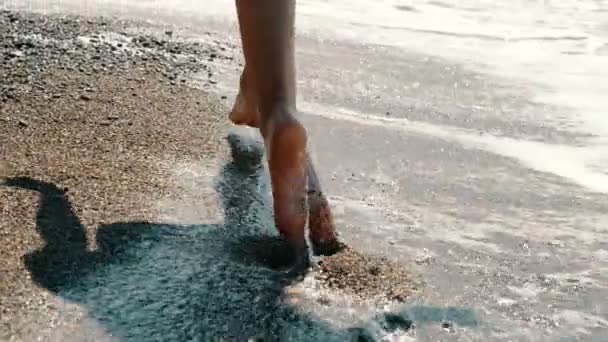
[(559, 45)]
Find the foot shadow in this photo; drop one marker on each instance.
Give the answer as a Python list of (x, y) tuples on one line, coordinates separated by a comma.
[(159, 282)]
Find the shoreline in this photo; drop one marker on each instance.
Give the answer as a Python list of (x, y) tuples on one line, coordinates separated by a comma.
[(500, 235)]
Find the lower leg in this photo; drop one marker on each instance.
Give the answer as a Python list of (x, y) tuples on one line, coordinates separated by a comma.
[(266, 100), (267, 28)]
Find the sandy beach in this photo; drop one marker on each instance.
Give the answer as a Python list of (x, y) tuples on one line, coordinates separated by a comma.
[(483, 174)]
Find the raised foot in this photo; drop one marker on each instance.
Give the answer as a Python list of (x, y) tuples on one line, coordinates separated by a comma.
[(245, 110), (321, 225)]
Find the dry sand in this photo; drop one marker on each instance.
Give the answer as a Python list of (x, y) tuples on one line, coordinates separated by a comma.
[(89, 119)]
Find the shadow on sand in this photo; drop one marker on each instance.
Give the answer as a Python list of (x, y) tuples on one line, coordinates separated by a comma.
[(159, 282)]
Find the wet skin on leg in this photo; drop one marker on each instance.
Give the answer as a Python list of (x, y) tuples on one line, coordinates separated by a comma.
[(266, 100)]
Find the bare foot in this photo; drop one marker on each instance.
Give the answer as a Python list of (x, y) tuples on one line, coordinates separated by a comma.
[(245, 110), (285, 141), (320, 220)]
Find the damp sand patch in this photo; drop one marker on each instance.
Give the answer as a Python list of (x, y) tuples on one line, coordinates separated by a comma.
[(348, 271), (366, 277), (361, 295)]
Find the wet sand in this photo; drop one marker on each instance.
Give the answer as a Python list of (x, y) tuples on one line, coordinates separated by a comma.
[(431, 163)]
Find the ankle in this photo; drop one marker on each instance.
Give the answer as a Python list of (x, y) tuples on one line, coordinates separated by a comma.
[(282, 124), (278, 114)]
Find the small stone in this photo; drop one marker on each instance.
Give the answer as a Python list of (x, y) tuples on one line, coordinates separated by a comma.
[(294, 291), (360, 335), (294, 297), (556, 243), (23, 123), (15, 53), (85, 97), (394, 322), (424, 258), (169, 33), (600, 254), (323, 300), (374, 270)]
